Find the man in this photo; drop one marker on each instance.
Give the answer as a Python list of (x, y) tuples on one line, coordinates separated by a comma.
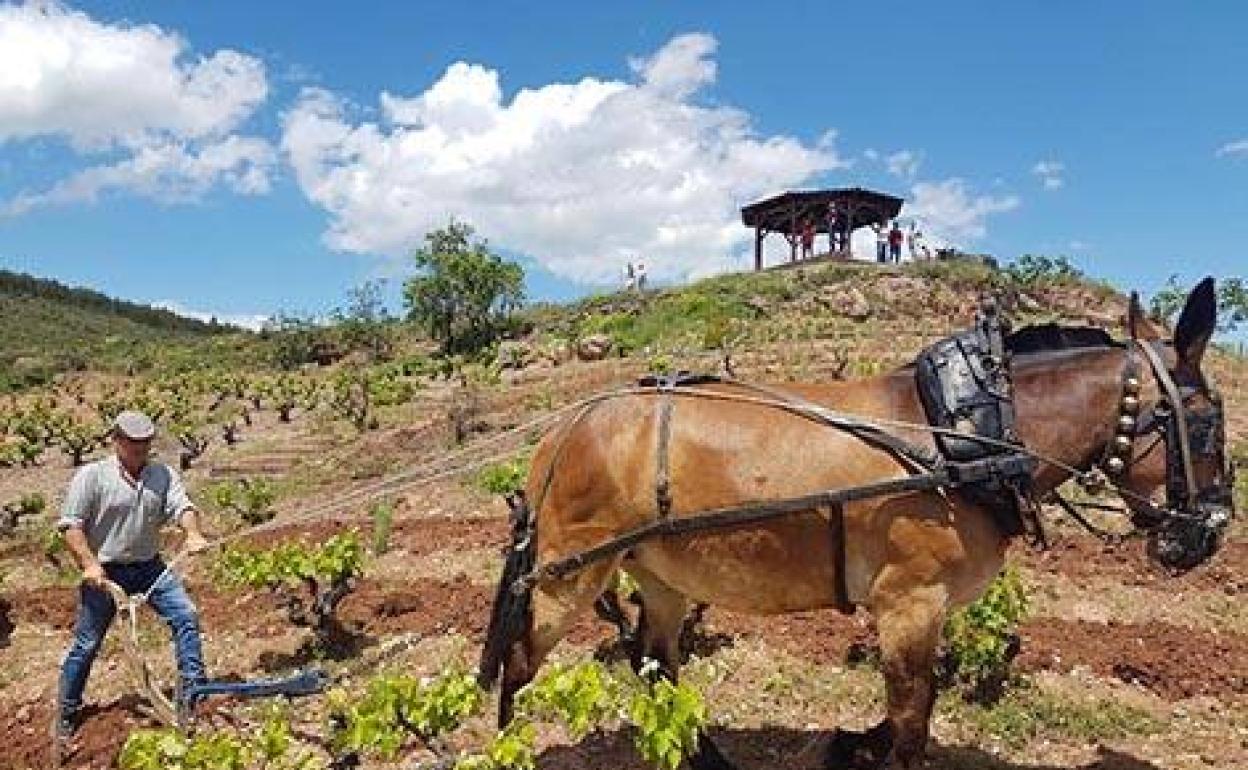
[(881, 242), (111, 518), (895, 238), (808, 238)]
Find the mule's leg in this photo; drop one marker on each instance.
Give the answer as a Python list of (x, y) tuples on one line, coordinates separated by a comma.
[(909, 627), (909, 631), (555, 604), (662, 618)]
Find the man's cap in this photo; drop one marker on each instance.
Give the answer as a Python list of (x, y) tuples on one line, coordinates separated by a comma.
[(134, 425)]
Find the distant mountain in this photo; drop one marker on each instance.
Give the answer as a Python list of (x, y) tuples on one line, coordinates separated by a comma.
[(48, 327)]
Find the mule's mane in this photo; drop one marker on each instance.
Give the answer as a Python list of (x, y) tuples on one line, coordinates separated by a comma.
[(1050, 337)]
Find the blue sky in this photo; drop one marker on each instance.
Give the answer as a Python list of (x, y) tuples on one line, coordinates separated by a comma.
[(240, 158)]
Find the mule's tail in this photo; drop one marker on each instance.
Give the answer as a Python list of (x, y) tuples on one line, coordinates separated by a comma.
[(509, 617)]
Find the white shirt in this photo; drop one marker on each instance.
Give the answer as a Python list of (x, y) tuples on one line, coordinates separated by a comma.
[(122, 516)]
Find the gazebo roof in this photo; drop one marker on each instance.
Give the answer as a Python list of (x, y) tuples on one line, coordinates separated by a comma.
[(784, 213)]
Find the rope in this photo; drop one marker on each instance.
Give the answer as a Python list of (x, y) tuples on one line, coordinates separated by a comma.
[(412, 477), (1111, 538), (403, 480)]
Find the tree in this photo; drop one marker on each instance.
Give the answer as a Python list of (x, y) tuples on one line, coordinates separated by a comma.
[(1232, 302), (465, 294), (365, 323), (1032, 269)]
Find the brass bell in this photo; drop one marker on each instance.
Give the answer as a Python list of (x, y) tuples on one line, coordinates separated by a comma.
[(1130, 404), (1131, 386), (1126, 424), (1122, 444), (1115, 465)]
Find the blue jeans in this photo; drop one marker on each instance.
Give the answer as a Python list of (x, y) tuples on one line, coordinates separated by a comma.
[(95, 613)]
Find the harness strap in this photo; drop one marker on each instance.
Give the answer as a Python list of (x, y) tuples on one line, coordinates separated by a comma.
[(1176, 408), (998, 361), (1112, 538), (836, 529), (737, 515), (662, 484), (918, 458)]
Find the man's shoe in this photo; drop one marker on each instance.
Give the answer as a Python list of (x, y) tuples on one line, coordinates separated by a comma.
[(66, 726)]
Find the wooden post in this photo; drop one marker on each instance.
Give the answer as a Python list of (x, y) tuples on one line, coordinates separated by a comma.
[(793, 231), (758, 248), (850, 213)]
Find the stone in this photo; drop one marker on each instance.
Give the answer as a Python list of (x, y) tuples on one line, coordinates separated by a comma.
[(595, 347), (758, 304), (848, 301), (514, 354)]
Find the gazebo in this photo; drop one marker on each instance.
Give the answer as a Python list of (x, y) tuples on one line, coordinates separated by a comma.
[(786, 212)]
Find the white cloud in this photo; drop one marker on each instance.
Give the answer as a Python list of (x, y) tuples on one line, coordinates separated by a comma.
[(904, 163), (581, 176), (1237, 149), (131, 91), (253, 321), (168, 171), (1050, 173), (949, 214)]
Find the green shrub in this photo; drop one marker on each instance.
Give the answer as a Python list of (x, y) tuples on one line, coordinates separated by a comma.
[(383, 523), (1037, 269), (250, 499), (397, 708), (168, 749), (308, 581), (981, 639), (504, 477)]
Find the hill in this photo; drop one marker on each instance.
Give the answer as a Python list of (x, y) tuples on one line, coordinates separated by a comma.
[(47, 327)]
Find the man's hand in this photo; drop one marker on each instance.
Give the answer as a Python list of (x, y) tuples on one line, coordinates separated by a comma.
[(195, 542), (93, 575)]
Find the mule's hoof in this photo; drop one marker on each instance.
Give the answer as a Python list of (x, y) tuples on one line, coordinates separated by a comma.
[(850, 750), (709, 756)]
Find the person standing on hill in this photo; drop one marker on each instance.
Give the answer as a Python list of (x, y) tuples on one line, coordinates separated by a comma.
[(881, 242), (895, 239), (918, 246), (111, 519), (835, 242), (808, 238)]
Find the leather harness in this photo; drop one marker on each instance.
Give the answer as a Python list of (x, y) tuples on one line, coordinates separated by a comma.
[(1005, 471)]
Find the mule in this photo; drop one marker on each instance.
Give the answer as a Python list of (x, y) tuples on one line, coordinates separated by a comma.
[(908, 558)]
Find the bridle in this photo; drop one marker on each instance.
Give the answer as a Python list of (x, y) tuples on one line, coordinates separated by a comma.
[(1190, 524)]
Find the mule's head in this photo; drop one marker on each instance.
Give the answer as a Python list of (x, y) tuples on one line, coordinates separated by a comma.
[(1178, 457)]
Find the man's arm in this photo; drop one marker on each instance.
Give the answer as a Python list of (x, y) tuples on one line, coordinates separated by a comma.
[(92, 571), (180, 509)]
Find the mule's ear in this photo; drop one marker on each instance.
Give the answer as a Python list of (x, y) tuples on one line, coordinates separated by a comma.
[(1138, 325), (1196, 323)]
